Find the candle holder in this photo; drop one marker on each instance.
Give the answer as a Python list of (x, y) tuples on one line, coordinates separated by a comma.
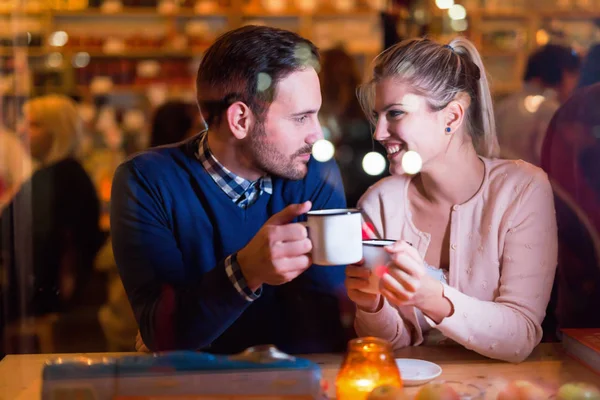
[(368, 364)]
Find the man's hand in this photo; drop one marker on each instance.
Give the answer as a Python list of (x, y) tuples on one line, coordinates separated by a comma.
[(279, 252)]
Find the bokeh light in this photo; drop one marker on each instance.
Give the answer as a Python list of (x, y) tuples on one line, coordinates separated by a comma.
[(411, 162), (457, 12), (532, 103), (81, 59), (58, 38), (373, 163), (323, 150), (444, 4)]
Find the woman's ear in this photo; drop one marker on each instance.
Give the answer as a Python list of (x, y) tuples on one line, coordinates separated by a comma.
[(454, 113), (239, 119)]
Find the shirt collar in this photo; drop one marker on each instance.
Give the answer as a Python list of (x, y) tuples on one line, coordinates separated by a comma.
[(233, 185)]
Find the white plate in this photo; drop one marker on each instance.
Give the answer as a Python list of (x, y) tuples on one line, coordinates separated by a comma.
[(417, 372)]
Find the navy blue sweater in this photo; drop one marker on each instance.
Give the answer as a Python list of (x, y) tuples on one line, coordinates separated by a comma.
[(173, 227)]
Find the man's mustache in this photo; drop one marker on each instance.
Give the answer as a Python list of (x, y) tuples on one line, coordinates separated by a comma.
[(305, 150)]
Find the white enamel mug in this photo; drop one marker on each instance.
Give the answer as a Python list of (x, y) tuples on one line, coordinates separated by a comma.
[(336, 236), (375, 256)]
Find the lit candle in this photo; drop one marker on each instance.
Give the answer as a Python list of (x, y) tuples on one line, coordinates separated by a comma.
[(368, 364)]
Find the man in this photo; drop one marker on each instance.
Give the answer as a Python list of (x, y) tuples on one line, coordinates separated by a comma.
[(522, 118), (204, 232)]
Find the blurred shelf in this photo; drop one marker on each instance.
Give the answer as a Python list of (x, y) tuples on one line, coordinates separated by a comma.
[(500, 53), (141, 87), (504, 87), (528, 14), (9, 13), (142, 12), (263, 13), (190, 53), (125, 12), (9, 52), (345, 14), (571, 14), (191, 13), (153, 12), (318, 13), (516, 14)]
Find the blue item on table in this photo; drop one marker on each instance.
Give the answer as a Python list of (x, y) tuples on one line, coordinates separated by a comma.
[(258, 372)]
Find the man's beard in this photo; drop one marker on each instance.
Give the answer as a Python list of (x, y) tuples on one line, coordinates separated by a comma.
[(269, 159)]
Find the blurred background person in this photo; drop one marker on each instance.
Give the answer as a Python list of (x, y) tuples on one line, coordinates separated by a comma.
[(522, 118), (590, 69), (50, 232), (345, 124), (571, 158), (15, 166), (174, 121)]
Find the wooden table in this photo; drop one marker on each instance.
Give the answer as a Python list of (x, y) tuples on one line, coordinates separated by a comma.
[(549, 366)]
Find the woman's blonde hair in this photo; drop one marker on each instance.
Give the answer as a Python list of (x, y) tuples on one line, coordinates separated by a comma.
[(440, 73), (59, 117)]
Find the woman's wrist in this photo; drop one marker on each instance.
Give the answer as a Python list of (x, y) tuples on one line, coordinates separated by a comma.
[(372, 310), (432, 302)]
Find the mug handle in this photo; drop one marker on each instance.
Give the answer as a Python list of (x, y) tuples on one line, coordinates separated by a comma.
[(305, 224)]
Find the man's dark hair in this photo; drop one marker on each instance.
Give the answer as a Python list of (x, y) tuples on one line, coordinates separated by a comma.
[(550, 62), (246, 64)]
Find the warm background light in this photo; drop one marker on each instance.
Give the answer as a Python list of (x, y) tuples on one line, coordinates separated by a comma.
[(373, 163), (323, 150), (444, 4), (411, 162), (457, 12)]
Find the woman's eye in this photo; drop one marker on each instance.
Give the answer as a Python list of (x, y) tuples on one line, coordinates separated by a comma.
[(395, 113)]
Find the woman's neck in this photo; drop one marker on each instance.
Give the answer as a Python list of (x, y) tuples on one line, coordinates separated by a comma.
[(453, 180)]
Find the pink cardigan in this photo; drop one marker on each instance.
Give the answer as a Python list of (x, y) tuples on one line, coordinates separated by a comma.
[(503, 256)]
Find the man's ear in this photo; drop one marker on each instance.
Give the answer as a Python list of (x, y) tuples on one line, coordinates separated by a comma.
[(239, 119)]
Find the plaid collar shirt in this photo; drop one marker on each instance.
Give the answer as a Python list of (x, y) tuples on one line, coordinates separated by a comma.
[(242, 192)]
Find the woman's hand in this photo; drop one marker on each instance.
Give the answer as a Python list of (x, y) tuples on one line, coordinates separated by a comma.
[(404, 277), (357, 279), (406, 283)]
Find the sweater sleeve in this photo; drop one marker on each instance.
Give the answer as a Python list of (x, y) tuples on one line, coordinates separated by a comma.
[(509, 327), (189, 316), (387, 323)]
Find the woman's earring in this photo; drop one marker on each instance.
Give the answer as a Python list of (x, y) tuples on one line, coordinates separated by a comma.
[(448, 130)]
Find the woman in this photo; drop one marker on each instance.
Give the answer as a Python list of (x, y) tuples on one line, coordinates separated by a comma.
[(50, 229), (571, 157), (476, 236)]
